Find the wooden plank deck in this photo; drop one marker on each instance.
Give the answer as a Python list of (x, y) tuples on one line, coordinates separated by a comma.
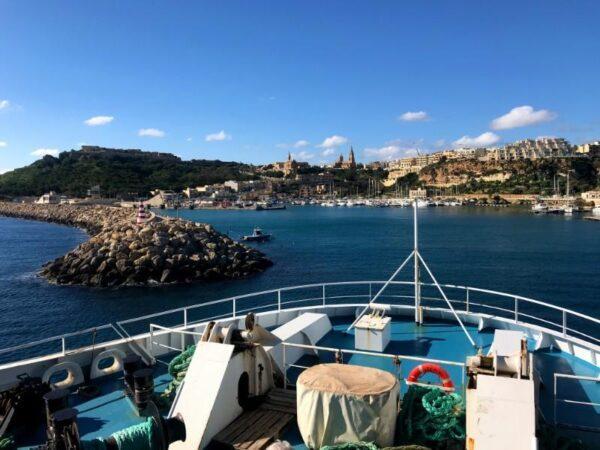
[(255, 430)]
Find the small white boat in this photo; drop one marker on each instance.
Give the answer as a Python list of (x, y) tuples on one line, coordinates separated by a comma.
[(596, 211), (257, 236), (539, 208), (568, 209)]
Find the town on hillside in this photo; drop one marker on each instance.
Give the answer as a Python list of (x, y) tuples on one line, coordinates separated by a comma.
[(548, 171)]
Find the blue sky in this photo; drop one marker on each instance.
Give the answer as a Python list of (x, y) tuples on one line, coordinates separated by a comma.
[(250, 80)]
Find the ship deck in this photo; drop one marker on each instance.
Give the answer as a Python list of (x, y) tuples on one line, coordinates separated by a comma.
[(436, 339)]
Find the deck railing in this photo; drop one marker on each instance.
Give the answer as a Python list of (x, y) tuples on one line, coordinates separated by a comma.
[(593, 406), (396, 360), (465, 299)]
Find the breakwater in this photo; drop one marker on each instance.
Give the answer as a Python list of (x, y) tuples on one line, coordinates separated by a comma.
[(122, 253)]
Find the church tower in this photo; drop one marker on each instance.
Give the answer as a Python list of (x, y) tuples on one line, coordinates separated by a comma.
[(351, 159)]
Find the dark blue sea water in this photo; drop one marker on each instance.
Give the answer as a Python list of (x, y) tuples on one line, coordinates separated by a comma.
[(551, 258)]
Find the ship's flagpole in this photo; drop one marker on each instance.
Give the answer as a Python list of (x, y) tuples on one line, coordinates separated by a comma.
[(417, 281)]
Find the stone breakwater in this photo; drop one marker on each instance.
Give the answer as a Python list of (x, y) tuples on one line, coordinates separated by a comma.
[(122, 253)]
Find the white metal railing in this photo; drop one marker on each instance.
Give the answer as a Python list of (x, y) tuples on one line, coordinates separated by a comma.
[(324, 294), (63, 339), (396, 359), (557, 400)]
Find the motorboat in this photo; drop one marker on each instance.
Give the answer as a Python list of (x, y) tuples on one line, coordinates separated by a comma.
[(257, 236), (539, 208)]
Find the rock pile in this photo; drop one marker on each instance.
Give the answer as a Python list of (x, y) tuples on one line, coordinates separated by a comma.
[(121, 253)]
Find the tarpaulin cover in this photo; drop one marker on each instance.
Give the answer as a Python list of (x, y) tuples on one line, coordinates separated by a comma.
[(340, 403)]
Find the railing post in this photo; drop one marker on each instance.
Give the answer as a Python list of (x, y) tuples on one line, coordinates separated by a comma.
[(64, 345), (324, 295), (151, 341), (468, 307), (233, 306), (284, 368), (185, 320), (564, 325), (554, 399), (279, 300), (516, 310), (370, 292)]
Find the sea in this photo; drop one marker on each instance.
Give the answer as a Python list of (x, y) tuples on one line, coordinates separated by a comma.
[(555, 259)]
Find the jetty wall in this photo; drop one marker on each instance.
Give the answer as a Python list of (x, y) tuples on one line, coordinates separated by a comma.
[(123, 253)]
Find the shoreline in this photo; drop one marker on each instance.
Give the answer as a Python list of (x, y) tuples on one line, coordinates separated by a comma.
[(119, 252)]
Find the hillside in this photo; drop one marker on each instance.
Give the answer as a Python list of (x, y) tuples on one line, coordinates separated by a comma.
[(117, 172), (518, 177)]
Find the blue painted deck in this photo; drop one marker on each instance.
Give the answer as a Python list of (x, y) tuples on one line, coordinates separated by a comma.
[(103, 415), (111, 411)]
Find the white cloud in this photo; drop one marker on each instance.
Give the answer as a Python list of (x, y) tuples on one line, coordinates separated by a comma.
[(189, 139), (98, 120), (388, 152), (217, 137), (303, 156), (298, 144), (151, 132), (414, 116), (328, 152), (3, 144), (334, 141), (522, 116), (301, 143), (41, 152), (2, 170), (4, 104), (483, 140)]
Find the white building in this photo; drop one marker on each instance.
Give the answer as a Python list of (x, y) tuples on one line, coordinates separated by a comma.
[(591, 196), (52, 198)]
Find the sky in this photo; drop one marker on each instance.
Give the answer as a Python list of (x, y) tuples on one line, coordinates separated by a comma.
[(251, 80)]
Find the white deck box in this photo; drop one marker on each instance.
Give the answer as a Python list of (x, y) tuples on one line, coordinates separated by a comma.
[(372, 333)]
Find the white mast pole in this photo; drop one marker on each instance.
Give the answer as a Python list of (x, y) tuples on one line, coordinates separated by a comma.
[(416, 256)]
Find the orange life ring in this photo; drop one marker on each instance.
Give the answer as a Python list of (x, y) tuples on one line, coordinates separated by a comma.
[(418, 371)]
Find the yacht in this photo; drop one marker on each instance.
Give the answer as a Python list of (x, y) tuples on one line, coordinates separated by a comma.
[(310, 365)]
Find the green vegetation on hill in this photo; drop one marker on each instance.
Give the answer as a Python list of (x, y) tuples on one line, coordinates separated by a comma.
[(513, 177), (117, 172)]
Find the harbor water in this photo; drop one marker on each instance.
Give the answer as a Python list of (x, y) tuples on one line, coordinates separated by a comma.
[(550, 258)]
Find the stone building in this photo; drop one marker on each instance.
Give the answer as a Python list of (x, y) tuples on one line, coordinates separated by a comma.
[(591, 149), (349, 164), (547, 147)]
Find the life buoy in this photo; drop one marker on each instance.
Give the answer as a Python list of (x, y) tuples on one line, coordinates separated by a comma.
[(417, 372)]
